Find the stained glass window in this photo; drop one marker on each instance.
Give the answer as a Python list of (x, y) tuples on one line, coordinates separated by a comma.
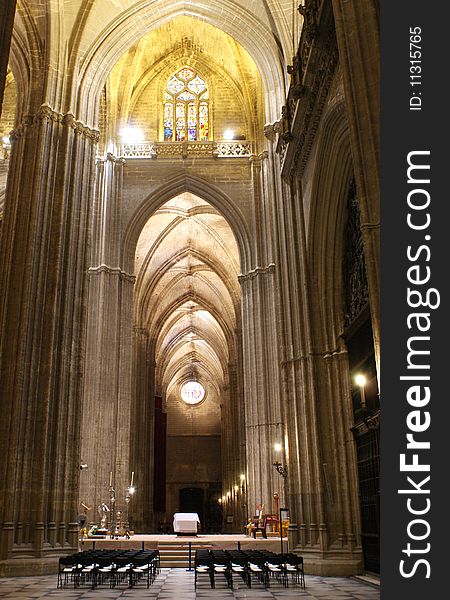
[(186, 107)]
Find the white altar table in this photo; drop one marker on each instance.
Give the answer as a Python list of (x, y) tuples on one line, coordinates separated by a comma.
[(185, 523)]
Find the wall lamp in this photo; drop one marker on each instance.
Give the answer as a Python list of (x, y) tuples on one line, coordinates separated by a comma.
[(282, 469)]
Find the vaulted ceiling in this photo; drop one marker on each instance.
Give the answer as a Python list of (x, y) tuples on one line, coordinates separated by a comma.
[(187, 291), (81, 41)]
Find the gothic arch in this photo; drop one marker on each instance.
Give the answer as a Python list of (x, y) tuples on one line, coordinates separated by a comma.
[(325, 228), (205, 190), (138, 20)]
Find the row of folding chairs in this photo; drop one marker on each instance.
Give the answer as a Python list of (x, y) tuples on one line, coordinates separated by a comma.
[(113, 567), (260, 564)]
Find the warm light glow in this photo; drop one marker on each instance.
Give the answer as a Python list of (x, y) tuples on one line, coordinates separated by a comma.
[(228, 494), (132, 489), (242, 477), (220, 500), (6, 140), (223, 498), (228, 134), (360, 380), (278, 447), (131, 135), (236, 488)]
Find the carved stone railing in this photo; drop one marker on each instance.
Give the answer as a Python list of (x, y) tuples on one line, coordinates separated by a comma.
[(138, 150), (234, 149), (228, 149)]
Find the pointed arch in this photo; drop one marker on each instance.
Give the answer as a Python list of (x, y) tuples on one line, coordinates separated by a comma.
[(205, 190), (147, 15)]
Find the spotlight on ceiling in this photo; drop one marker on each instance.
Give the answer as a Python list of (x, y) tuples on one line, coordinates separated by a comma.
[(131, 135)]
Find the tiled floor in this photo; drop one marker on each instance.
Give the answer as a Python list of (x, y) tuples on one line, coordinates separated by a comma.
[(178, 584)]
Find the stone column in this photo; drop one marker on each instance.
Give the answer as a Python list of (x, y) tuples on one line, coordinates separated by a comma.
[(322, 495), (106, 414), (305, 480), (43, 282), (237, 441), (263, 415), (357, 30), (143, 424)]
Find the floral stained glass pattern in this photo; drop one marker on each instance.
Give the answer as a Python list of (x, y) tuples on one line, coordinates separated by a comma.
[(185, 74), (175, 86), (186, 96), (197, 85), (192, 122), (168, 121), (181, 123), (186, 107), (203, 121)]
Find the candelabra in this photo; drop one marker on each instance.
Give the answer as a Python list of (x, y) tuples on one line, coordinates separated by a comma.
[(128, 495)]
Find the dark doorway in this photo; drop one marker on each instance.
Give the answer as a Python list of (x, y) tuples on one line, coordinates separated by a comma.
[(366, 404), (366, 432), (192, 501)]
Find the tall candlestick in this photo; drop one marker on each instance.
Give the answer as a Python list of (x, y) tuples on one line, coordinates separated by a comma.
[(110, 478), (132, 479)]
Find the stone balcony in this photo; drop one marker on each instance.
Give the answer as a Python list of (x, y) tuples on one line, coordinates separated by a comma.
[(224, 149)]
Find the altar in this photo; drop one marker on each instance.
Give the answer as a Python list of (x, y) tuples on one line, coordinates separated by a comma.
[(185, 523)]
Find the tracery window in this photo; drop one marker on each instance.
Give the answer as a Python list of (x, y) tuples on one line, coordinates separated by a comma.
[(186, 107)]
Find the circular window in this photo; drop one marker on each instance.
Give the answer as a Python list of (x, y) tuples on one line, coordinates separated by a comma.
[(192, 392)]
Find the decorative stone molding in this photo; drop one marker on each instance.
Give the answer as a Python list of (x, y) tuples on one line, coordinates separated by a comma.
[(256, 272), (309, 11), (81, 129), (225, 149), (109, 157), (311, 79), (270, 131), (365, 226), (291, 358), (46, 114), (112, 271)]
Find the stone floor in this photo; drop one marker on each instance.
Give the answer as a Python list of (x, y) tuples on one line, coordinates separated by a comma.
[(178, 584)]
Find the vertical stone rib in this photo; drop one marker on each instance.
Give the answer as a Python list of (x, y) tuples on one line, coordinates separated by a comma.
[(107, 388)]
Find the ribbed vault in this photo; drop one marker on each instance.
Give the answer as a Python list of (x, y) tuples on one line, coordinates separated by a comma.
[(187, 292)]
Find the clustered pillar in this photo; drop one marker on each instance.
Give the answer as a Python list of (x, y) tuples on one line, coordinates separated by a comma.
[(106, 414), (43, 281)]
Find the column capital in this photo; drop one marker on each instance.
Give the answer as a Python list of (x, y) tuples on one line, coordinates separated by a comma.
[(256, 272), (124, 276)]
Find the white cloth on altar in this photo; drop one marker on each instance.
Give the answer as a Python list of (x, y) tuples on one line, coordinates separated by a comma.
[(185, 522)]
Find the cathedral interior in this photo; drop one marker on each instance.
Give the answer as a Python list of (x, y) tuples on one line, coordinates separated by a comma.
[(189, 271)]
